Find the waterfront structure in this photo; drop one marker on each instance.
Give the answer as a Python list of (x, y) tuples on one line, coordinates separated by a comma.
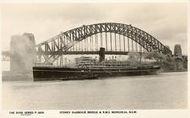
[(22, 53), (177, 51), (178, 57)]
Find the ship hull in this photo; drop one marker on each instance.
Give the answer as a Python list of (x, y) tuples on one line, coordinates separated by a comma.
[(63, 73)]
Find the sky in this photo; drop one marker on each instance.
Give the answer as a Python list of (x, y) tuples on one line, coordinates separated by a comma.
[(167, 22)]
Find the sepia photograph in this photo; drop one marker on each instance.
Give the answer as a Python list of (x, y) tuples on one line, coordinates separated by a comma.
[(73, 56)]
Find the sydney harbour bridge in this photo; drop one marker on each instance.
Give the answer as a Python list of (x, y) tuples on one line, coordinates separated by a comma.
[(115, 38)]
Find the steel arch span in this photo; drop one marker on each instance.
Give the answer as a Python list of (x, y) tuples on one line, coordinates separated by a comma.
[(56, 46)]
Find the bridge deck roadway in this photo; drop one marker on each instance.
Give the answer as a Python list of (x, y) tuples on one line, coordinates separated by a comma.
[(82, 52)]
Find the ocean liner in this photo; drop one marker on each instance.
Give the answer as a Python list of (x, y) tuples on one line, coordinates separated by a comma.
[(92, 70)]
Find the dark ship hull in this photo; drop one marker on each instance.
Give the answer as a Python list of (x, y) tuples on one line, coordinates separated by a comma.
[(66, 73)]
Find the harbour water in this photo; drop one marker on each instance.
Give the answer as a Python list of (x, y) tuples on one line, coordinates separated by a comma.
[(163, 91)]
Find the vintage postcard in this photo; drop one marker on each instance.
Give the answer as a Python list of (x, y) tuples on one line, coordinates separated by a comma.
[(100, 58)]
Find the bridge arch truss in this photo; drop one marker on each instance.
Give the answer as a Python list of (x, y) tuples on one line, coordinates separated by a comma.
[(61, 44)]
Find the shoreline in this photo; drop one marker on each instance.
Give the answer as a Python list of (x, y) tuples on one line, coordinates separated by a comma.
[(28, 76)]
